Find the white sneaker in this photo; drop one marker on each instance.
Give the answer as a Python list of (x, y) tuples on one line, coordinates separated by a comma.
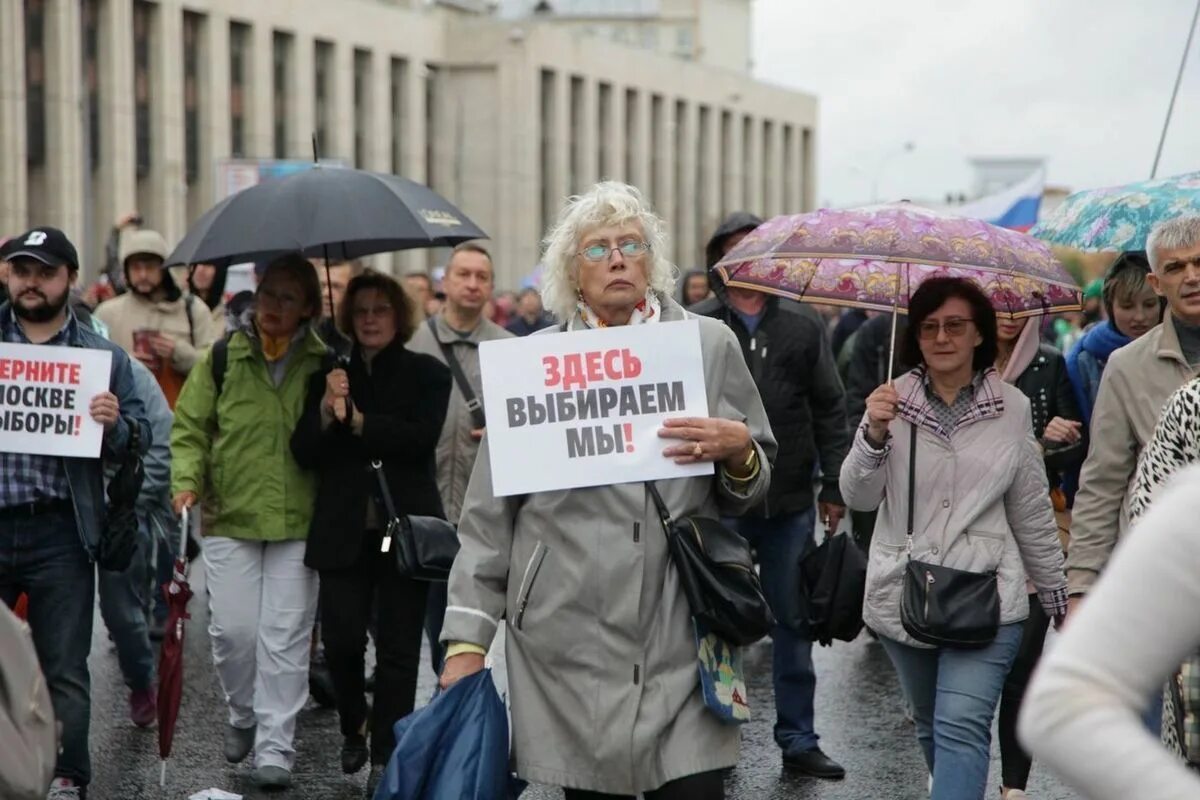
[(1015, 794), (63, 789)]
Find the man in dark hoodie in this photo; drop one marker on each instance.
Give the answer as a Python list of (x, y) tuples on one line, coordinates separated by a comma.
[(787, 349), (154, 321)]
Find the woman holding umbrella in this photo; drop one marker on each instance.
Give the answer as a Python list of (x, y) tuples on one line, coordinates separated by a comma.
[(947, 454), (234, 424), (385, 407)]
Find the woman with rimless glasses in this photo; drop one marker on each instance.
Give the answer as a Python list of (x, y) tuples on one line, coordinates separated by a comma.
[(958, 440)]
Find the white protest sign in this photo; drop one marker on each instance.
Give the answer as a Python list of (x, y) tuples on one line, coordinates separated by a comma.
[(568, 410), (44, 397)]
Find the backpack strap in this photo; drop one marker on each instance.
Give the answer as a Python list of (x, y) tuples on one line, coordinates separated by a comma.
[(220, 362)]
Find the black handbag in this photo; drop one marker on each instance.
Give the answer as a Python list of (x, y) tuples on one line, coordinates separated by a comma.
[(119, 537), (718, 577), (941, 606), (425, 546)]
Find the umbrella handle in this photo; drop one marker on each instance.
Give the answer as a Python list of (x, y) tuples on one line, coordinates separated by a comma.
[(891, 368), (183, 524)]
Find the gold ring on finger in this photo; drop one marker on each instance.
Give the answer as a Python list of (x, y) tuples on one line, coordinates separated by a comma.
[(698, 450)]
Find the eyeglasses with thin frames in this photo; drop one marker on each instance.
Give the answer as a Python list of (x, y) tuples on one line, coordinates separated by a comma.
[(954, 327)]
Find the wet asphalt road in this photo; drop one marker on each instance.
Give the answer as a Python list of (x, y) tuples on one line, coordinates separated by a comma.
[(859, 717)]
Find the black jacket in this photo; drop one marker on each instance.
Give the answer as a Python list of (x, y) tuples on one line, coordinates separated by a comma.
[(793, 367), (869, 363), (1046, 383), (403, 400)]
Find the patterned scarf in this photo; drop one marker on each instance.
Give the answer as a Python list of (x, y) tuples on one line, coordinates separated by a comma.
[(648, 310)]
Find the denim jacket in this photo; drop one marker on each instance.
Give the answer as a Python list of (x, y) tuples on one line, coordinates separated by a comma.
[(86, 475)]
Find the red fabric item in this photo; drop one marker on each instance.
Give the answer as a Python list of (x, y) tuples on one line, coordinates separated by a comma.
[(170, 658), (21, 609)]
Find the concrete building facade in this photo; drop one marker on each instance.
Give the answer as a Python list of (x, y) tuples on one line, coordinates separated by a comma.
[(107, 106)]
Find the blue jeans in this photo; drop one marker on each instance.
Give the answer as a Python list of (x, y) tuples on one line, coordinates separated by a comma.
[(125, 606), (954, 694), (780, 542), (42, 555)]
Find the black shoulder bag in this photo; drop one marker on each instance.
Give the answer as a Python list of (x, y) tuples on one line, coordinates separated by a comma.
[(941, 606), (718, 577), (425, 546), (460, 378)]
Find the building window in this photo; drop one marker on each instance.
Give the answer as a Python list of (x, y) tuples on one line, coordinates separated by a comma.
[(35, 83), (281, 89), (142, 13), (767, 159), (574, 162), (657, 123), (239, 39), (747, 164), (604, 119), (399, 113), (703, 169), (726, 162), (193, 27), (431, 112), (680, 140), (91, 78), (788, 171), (684, 41), (322, 93), (633, 141), (362, 104), (546, 120)]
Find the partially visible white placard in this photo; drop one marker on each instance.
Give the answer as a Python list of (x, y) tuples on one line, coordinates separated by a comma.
[(45, 393), (568, 410)]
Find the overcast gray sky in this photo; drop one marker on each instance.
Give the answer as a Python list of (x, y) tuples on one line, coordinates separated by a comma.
[(1084, 83)]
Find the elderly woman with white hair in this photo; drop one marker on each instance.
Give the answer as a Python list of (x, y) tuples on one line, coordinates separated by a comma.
[(601, 654)]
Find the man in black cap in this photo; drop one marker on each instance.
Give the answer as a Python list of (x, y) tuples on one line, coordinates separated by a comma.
[(787, 349), (52, 509)]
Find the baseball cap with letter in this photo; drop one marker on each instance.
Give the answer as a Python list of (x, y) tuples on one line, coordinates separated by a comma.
[(47, 245)]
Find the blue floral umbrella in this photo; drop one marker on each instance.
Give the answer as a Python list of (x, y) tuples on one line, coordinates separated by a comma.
[(1120, 217)]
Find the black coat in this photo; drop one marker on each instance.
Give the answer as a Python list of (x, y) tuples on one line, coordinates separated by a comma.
[(1046, 383), (403, 400), (869, 362), (793, 367)]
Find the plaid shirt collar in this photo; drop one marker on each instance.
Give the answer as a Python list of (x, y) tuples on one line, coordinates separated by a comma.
[(12, 332), (986, 401)]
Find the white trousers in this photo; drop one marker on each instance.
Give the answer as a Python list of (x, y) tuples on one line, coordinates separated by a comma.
[(262, 601)]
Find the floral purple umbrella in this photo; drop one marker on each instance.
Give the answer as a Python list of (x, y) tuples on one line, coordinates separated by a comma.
[(875, 257)]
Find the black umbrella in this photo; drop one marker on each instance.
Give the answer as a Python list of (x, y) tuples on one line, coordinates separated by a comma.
[(833, 579), (324, 212)]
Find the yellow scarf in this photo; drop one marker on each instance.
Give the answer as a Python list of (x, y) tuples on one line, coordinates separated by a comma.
[(274, 347)]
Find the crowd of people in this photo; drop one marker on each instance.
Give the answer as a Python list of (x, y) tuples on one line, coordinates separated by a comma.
[(287, 416)]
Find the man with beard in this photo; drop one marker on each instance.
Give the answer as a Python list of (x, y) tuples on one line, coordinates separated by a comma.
[(52, 509), (154, 321)]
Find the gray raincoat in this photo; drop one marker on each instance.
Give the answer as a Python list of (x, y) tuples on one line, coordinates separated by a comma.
[(600, 651)]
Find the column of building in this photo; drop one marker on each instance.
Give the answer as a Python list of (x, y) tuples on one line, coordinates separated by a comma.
[(215, 136), (13, 175), (685, 202), (302, 96), (710, 193), (260, 100), (167, 175), (114, 187), (63, 191)]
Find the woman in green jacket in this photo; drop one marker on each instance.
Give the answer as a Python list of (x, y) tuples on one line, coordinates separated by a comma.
[(232, 426)]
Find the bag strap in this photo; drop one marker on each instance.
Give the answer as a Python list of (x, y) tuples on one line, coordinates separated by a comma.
[(464, 386), (664, 514), (385, 493), (220, 362), (912, 487)]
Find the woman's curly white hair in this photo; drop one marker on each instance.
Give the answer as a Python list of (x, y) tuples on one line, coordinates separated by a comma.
[(606, 204)]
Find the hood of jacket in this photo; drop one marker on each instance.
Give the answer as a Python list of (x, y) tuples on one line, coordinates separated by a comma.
[(734, 223)]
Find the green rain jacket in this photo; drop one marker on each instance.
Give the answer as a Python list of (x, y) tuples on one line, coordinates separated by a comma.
[(238, 443)]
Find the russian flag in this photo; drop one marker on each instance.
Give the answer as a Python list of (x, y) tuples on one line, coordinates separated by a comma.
[(1015, 207)]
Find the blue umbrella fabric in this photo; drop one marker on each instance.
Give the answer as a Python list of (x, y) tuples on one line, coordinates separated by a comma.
[(324, 212), (1119, 217), (455, 748)]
